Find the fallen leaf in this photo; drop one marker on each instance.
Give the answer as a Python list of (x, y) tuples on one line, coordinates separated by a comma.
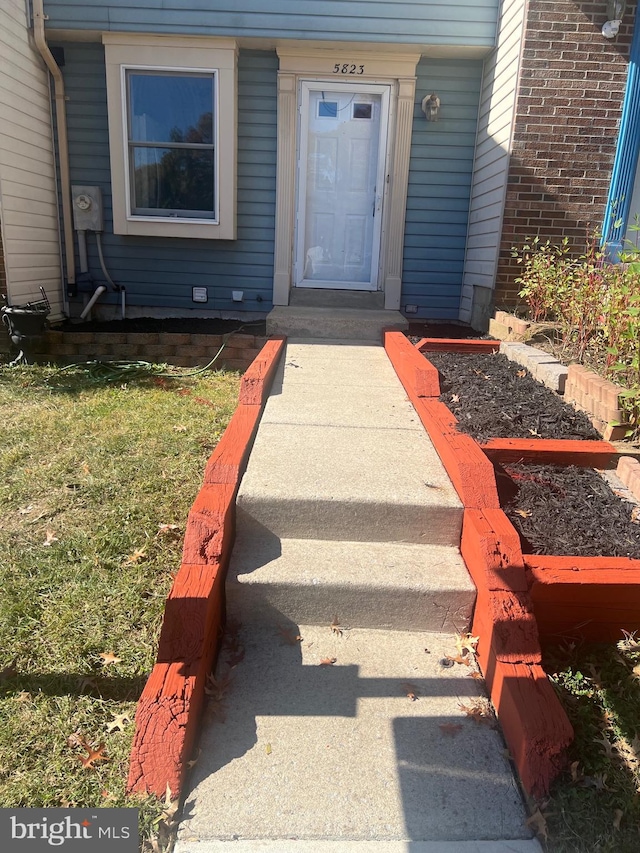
[(168, 530), (119, 722), (108, 657), (524, 513), (479, 711), (617, 817), (135, 557), (268, 749), (466, 643), (194, 761), (328, 661), (180, 428), (450, 729), (521, 374), (575, 773), (89, 761), (410, 690), (636, 670), (538, 824), (458, 659), (335, 626), (455, 398), (75, 739), (51, 537), (476, 675), (289, 636), (218, 687), (604, 742), (236, 658), (25, 510)]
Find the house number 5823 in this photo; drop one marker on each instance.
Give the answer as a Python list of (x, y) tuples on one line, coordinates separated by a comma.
[(347, 68)]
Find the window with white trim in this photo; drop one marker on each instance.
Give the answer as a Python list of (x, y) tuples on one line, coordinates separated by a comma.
[(172, 135), (170, 143)]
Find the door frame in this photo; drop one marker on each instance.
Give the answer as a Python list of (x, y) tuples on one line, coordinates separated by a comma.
[(319, 61), (305, 89)]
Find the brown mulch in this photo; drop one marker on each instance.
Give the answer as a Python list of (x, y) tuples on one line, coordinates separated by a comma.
[(568, 511), (556, 510), (492, 397)]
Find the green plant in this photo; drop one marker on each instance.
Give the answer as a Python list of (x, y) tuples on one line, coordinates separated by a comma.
[(544, 269)]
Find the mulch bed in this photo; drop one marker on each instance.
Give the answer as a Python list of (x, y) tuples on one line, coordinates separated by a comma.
[(492, 397), (556, 510), (568, 511)]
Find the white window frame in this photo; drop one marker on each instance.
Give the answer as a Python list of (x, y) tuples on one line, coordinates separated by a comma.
[(182, 55)]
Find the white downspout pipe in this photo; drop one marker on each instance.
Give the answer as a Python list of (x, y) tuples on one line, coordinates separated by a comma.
[(39, 18)]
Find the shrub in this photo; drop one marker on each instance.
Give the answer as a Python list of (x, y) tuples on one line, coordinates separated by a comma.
[(595, 304)]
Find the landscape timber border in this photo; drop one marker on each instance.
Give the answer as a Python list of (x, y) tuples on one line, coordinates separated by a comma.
[(522, 601), (169, 709)]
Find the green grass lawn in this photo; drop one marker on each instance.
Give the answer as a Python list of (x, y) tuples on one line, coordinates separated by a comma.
[(96, 480), (595, 806)]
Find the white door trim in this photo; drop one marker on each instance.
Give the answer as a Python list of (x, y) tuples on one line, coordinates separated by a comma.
[(306, 87), (389, 68)]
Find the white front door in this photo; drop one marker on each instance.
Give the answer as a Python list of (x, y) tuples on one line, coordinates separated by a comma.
[(341, 183)]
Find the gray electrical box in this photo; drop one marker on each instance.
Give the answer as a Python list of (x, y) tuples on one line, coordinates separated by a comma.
[(87, 208)]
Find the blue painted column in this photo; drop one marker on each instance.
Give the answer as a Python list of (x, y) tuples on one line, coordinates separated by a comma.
[(625, 164)]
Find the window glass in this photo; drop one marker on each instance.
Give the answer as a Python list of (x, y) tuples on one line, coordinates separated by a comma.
[(327, 109), (362, 110), (176, 177)]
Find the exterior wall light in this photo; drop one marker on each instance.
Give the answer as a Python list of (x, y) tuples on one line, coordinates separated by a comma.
[(431, 106), (615, 11)]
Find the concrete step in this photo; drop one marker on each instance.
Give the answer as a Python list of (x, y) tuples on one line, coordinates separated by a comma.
[(349, 482), (374, 749), (299, 321), (314, 297), (364, 584)]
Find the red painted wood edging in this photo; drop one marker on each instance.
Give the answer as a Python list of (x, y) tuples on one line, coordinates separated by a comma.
[(457, 345), (533, 721), (584, 598), (549, 451), (419, 377), (168, 711)]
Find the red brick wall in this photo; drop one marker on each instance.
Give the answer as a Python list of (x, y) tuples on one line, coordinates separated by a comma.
[(568, 113)]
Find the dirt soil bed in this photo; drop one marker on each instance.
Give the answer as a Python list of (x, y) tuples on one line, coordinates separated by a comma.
[(568, 511), (492, 397)]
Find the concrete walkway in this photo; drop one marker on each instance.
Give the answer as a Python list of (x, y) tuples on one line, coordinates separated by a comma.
[(335, 721)]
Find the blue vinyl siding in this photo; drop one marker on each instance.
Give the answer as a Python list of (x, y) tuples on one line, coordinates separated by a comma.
[(440, 174), (160, 272), (456, 22)]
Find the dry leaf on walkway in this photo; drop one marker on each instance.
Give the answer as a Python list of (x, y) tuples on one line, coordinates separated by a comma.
[(450, 729), (538, 824), (109, 657), (466, 643), (335, 626), (217, 688), (268, 749), (328, 661), (410, 690), (479, 711), (477, 675), (459, 659), (289, 636), (89, 761)]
